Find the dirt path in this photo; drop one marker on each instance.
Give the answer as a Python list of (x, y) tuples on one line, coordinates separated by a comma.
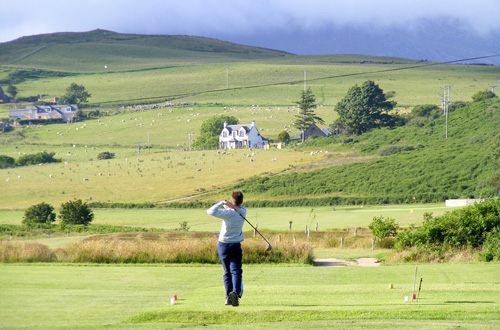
[(332, 262)]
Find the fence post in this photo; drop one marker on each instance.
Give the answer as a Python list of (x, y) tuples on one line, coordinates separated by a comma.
[(342, 241)]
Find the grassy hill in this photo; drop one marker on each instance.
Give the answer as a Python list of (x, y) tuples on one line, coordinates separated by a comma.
[(263, 85), (129, 69), (463, 166)]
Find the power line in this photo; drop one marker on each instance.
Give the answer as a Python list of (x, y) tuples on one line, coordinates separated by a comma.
[(294, 82)]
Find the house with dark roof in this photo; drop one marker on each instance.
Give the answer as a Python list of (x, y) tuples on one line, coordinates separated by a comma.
[(311, 132), (241, 136), (64, 113)]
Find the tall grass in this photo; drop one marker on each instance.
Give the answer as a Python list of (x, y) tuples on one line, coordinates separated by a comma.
[(149, 249), (25, 252)]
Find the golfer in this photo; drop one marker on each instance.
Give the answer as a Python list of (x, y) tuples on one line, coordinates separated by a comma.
[(229, 246)]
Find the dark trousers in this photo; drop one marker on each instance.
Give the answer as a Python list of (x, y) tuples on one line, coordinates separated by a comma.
[(230, 255)]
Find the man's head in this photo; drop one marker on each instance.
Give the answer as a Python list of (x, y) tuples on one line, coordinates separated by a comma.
[(237, 198)]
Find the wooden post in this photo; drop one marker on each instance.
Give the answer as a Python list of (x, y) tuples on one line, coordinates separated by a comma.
[(341, 241), (316, 228), (308, 233), (293, 239), (356, 231), (373, 243)]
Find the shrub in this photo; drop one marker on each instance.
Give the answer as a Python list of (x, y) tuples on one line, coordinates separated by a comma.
[(6, 162), (383, 227), (283, 136), (105, 155), (39, 215), (75, 213), (462, 228), (491, 247), (38, 158), (483, 95)]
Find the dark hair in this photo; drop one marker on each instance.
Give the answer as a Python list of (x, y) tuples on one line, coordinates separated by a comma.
[(238, 197)]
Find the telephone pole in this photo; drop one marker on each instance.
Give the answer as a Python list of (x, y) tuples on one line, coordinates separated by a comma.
[(189, 137), (304, 80), (445, 101)]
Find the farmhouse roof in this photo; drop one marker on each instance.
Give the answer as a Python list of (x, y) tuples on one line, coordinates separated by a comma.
[(313, 130)]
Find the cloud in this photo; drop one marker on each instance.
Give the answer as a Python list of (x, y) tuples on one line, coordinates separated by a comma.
[(216, 18)]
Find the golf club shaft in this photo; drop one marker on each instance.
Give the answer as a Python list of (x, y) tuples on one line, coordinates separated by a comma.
[(253, 227)]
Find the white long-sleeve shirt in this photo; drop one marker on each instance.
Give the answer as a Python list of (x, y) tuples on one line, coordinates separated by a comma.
[(232, 223)]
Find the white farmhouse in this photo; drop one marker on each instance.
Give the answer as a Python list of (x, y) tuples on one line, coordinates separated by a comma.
[(241, 136)]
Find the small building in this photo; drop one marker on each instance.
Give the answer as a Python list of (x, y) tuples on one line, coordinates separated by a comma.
[(241, 136), (64, 113), (312, 131)]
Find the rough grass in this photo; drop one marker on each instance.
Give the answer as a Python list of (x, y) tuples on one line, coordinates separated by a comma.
[(151, 247)]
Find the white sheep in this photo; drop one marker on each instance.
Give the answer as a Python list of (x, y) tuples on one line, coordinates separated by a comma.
[(85, 179)]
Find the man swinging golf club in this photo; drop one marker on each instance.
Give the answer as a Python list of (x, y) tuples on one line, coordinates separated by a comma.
[(229, 246)]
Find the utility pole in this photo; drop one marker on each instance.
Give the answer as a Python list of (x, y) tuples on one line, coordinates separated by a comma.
[(189, 136), (445, 100), (304, 81)]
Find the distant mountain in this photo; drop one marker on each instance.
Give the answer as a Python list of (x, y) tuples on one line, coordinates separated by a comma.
[(434, 40), (103, 42)]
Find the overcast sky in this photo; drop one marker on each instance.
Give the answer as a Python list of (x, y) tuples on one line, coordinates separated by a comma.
[(234, 20)]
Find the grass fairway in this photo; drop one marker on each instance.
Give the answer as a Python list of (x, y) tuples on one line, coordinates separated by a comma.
[(276, 219), (453, 296)]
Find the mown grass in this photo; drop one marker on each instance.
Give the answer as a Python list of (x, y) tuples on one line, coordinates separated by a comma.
[(122, 297)]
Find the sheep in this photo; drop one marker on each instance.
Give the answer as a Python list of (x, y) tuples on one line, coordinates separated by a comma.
[(50, 176), (85, 179), (198, 170)]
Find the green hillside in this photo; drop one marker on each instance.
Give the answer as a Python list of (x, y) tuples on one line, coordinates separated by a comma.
[(263, 85), (127, 69), (463, 166)]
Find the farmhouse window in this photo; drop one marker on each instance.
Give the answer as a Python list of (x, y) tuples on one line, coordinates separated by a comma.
[(224, 134)]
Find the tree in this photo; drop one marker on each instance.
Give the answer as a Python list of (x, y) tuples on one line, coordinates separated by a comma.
[(483, 95), (75, 213), (383, 227), (306, 116), (105, 155), (363, 108), (283, 136), (12, 91), (39, 215), (210, 130), (7, 161), (75, 94)]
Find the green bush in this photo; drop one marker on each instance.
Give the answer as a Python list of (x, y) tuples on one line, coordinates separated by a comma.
[(6, 162), (383, 227), (105, 155), (468, 227), (75, 213), (39, 215), (38, 158), (491, 247)]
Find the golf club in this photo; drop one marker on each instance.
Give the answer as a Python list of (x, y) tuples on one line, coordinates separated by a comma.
[(269, 246)]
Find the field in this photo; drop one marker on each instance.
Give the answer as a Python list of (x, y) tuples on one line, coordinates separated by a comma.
[(42, 296), (124, 73)]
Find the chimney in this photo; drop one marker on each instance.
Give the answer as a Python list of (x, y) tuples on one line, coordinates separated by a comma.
[(253, 123), (225, 124)]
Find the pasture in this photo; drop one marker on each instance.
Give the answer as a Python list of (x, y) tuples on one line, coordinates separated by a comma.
[(453, 296)]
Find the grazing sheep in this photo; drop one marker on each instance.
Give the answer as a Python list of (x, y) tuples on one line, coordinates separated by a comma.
[(85, 179), (198, 170), (50, 176)]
